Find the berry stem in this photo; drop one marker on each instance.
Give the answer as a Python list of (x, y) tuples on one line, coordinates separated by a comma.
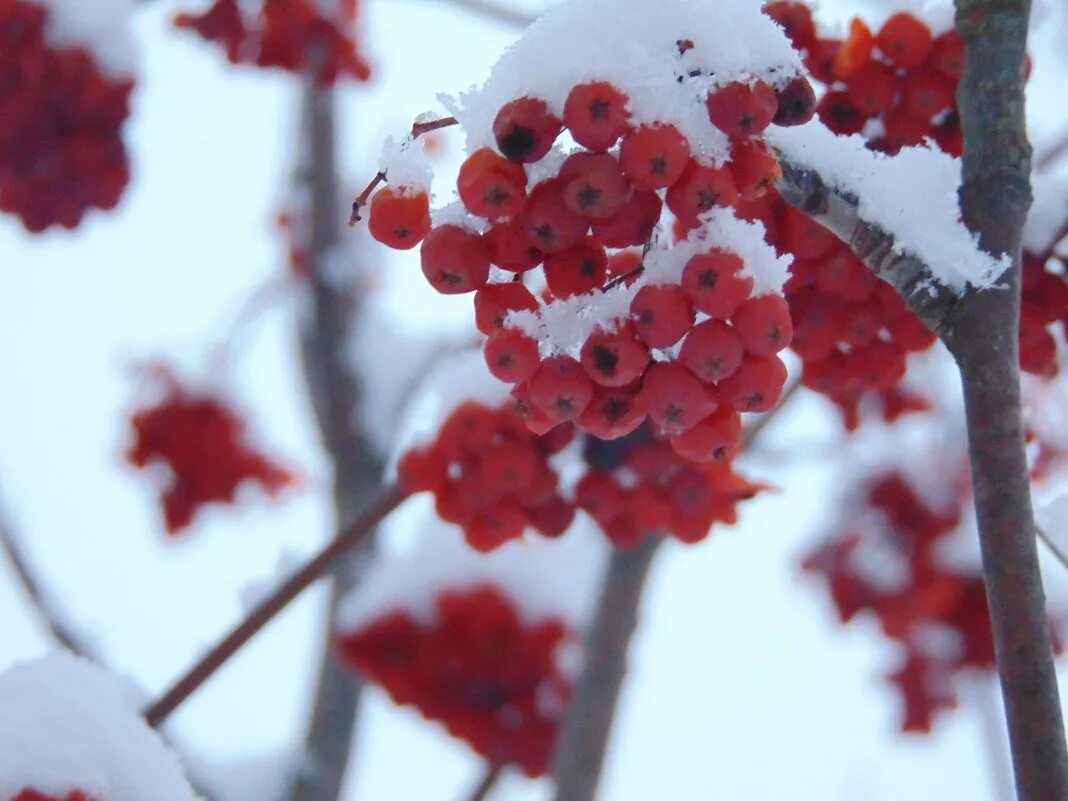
[(388, 499), (1051, 545), (418, 129), (486, 784)]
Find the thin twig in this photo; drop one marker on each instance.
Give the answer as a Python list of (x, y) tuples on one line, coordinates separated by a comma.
[(418, 129), (1052, 154), (388, 499), (482, 790), (31, 586), (1052, 546), (497, 12)]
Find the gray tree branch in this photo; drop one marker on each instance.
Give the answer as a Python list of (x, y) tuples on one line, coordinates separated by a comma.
[(334, 391)]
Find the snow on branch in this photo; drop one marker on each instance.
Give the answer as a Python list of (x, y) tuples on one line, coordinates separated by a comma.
[(899, 214)]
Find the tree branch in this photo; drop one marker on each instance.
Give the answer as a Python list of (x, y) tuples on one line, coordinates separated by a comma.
[(36, 595), (804, 187), (356, 532), (333, 388), (995, 197), (583, 742), (482, 790)]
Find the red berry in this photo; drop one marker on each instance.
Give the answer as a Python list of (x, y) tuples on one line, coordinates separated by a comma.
[(577, 270), (552, 518), (796, 20), (561, 388), (547, 221), (661, 314), (594, 185), (511, 355), (757, 385), (904, 40), (741, 110), (947, 55), (797, 102), (633, 224), (855, 51), (820, 59), (902, 129), (714, 284), (754, 168), (872, 88), (399, 218), (491, 186), (802, 236), (492, 527), (494, 301), (614, 358), (700, 189), (716, 438), (837, 111), (455, 260), (525, 129), (510, 249), (763, 324), (508, 467), (675, 399), (613, 413), (421, 470), (596, 115), (927, 93), (533, 417), (654, 156), (712, 351)]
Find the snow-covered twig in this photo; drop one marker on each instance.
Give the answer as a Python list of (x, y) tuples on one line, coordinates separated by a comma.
[(36, 595), (388, 499)]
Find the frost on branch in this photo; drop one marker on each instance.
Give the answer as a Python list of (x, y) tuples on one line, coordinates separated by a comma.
[(69, 731), (293, 35), (66, 70), (481, 644), (200, 448)]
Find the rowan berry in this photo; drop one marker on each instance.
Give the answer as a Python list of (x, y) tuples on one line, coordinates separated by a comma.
[(756, 385), (493, 302), (763, 324), (561, 388), (796, 102), (633, 224), (614, 358), (712, 351), (577, 270), (700, 189), (491, 186), (741, 109), (511, 355), (754, 168), (455, 260), (662, 314), (654, 156), (525, 129), (594, 185), (548, 223), (714, 282), (904, 40), (675, 399), (716, 438), (596, 115)]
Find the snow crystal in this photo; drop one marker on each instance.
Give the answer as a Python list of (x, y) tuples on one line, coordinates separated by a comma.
[(102, 26), (406, 164), (634, 45), (563, 325), (912, 195), (543, 577), (1048, 212), (457, 378), (936, 14), (455, 213), (67, 724)]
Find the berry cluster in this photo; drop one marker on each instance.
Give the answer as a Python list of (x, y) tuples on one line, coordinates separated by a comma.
[(691, 347), (885, 562), (852, 330), (646, 488), (292, 35), (477, 667), (203, 444), (491, 476), (61, 152), (897, 85)]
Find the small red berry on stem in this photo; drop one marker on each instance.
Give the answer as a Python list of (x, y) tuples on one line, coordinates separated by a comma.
[(742, 110), (455, 260), (596, 115), (654, 156), (614, 358), (661, 314), (714, 284), (525, 129), (491, 186), (577, 270), (399, 217), (511, 355)]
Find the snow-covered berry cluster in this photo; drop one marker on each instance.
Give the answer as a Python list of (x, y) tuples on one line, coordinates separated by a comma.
[(897, 85), (204, 446), (689, 337), (477, 667), (61, 149), (490, 475), (293, 35)]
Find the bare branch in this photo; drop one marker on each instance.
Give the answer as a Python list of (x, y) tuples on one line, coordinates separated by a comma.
[(995, 196), (356, 532), (31, 586)]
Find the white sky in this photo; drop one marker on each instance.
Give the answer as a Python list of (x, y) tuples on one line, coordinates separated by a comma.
[(743, 687)]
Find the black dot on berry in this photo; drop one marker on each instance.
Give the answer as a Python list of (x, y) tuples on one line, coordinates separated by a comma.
[(605, 360), (518, 143), (658, 165)]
